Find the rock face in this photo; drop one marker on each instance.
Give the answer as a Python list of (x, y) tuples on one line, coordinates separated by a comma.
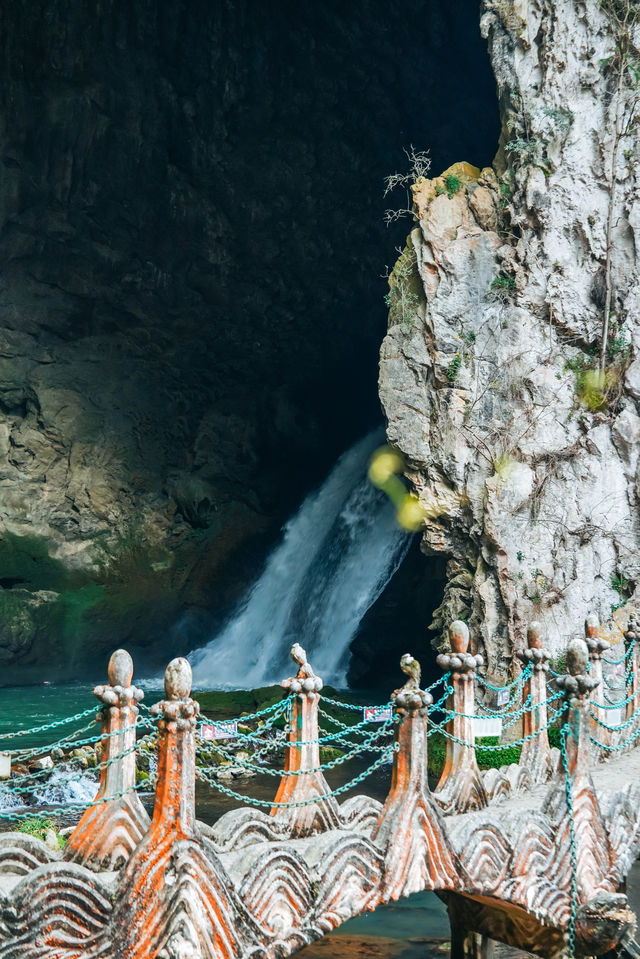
[(191, 243), (489, 374)]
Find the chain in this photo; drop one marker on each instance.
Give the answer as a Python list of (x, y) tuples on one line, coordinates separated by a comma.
[(323, 767), (572, 841), (440, 728), (516, 682), (616, 662), (74, 805), (53, 725), (382, 760), (619, 746), (103, 764)]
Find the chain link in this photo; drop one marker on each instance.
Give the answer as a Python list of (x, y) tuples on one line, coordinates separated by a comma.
[(571, 932)]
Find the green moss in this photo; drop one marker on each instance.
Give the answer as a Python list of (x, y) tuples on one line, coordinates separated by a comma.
[(234, 702), (25, 561), (452, 184), (75, 607), (329, 753)]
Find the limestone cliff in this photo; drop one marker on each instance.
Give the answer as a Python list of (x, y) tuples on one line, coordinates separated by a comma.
[(490, 371)]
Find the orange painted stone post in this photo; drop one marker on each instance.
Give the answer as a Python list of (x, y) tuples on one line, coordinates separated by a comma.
[(303, 753), (175, 898), (411, 828), (536, 753), (461, 788), (109, 831), (597, 646), (594, 857)]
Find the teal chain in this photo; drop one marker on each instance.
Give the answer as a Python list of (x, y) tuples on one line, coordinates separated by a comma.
[(382, 760), (279, 707), (23, 756), (104, 764), (572, 842), (516, 682), (258, 734), (90, 740), (616, 662), (616, 726), (323, 767), (358, 709), (623, 745), (525, 708), (618, 705), (53, 725), (61, 807), (440, 728)]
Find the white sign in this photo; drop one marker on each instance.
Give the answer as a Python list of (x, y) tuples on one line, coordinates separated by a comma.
[(376, 714), (224, 730), (5, 765), (486, 727), (503, 697)]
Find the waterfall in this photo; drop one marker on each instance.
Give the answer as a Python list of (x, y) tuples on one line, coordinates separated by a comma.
[(336, 555)]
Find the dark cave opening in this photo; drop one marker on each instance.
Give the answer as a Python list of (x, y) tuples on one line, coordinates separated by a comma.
[(193, 250), (398, 623)]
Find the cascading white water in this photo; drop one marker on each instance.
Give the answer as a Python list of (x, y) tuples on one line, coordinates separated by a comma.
[(336, 556)]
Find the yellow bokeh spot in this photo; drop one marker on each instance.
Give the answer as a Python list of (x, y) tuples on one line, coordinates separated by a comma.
[(385, 463), (504, 466), (410, 514)]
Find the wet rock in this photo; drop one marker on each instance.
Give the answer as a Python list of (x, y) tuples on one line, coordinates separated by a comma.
[(45, 762), (51, 840)]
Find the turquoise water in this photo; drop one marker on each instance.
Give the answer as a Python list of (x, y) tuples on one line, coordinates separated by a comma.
[(27, 707), (413, 928)]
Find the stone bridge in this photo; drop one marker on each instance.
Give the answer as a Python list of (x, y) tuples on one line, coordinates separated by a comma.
[(534, 854)]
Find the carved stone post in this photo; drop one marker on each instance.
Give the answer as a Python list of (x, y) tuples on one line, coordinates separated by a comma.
[(109, 831), (303, 753), (594, 857), (411, 829), (536, 754), (461, 788), (597, 646), (175, 898)]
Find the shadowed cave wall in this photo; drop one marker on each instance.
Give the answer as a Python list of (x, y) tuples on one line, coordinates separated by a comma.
[(191, 299)]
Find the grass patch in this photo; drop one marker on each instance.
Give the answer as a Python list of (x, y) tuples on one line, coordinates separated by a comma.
[(39, 826), (487, 758)]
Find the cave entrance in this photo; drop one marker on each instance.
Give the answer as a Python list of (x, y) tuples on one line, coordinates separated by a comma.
[(398, 623)]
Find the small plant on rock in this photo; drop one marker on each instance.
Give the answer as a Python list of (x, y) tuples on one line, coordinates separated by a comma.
[(452, 184), (503, 286), (454, 368), (405, 285)]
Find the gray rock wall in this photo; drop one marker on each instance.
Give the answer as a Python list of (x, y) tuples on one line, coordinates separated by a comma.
[(490, 379)]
